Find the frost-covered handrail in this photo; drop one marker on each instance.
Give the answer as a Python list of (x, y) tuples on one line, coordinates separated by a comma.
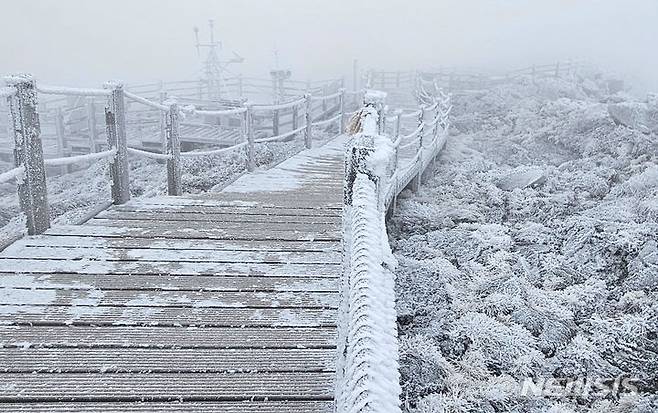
[(412, 144), (16, 173), (413, 134), (281, 106), (327, 121), (72, 160), (193, 154), (146, 102), (413, 114), (6, 92), (326, 97), (368, 371), (355, 92), (281, 136), (72, 91), (147, 154), (434, 121), (222, 112)]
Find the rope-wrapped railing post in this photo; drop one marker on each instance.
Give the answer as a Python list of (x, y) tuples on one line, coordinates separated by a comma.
[(28, 153), (251, 144), (115, 125), (174, 184), (308, 136)]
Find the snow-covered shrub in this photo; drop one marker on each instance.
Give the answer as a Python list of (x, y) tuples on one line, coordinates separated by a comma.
[(500, 282)]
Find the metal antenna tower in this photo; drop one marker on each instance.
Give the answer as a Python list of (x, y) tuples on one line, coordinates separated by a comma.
[(214, 67)]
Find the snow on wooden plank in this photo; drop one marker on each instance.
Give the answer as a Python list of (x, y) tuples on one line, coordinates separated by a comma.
[(268, 406), (136, 206), (174, 255), (173, 244), (189, 299), (190, 233), (262, 201), (162, 387), (167, 337), (87, 266), (255, 227), (219, 219), (165, 316), (143, 282), (135, 360)]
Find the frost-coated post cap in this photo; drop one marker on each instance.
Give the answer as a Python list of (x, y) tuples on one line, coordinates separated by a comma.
[(18, 78), (170, 101), (374, 96), (113, 84)]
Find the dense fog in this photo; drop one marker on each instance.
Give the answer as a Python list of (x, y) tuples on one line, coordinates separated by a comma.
[(78, 41)]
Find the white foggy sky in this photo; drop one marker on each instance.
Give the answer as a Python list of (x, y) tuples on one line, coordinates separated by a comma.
[(84, 42)]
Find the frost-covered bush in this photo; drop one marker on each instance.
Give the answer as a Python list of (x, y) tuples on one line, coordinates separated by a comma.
[(500, 281)]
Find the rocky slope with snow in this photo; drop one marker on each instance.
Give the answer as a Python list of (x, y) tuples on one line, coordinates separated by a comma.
[(532, 254)]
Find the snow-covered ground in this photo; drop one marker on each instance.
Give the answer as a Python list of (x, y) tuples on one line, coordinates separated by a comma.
[(532, 253), (72, 196)]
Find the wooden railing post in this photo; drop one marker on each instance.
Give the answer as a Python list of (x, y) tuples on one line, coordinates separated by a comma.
[(415, 186), (341, 111), (308, 137), (174, 184), (324, 101), (275, 122), (91, 124), (163, 123), (60, 133), (251, 145), (28, 153), (295, 117), (115, 125), (397, 129)]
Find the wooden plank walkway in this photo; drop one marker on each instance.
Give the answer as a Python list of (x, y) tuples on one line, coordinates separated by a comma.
[(225, 302)]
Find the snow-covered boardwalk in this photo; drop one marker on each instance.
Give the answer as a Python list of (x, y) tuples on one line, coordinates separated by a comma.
[(223, 302)]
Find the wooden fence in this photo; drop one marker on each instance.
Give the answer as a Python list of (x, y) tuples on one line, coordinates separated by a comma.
[(298, 116)]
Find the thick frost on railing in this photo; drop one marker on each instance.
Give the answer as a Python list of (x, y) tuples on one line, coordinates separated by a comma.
[(150, 155), (6, 92), (16, 173), (72, 91), (368, 374), (72, 160)]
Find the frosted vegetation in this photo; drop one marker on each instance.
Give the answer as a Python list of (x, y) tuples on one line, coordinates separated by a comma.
[(532, 252)]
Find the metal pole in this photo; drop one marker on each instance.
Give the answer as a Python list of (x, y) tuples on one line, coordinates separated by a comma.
[(115, 125), (28, 153)]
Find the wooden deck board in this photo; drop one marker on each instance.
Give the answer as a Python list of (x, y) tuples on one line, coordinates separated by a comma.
[(224, 301), (174, 407), (136, 360), (88, 241), (167, 337)]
